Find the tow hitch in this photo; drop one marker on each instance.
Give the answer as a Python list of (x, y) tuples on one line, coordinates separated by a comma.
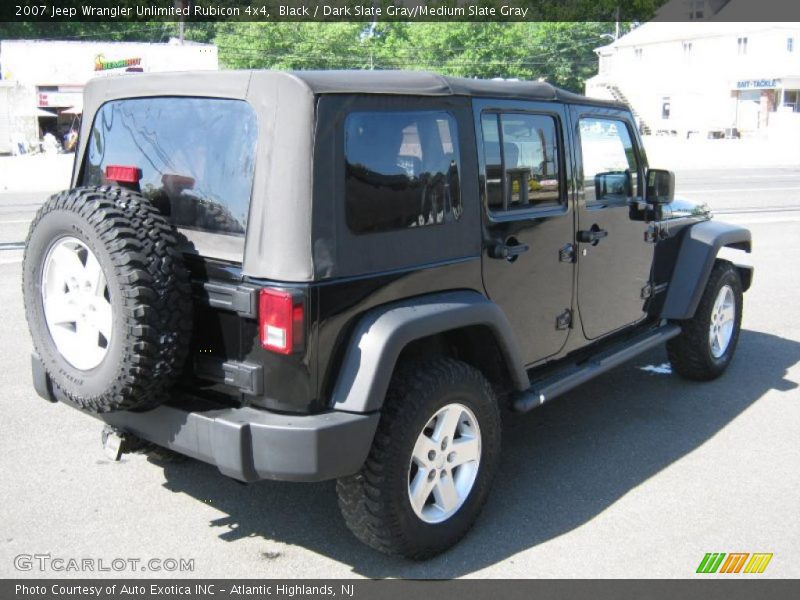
[(116, 442)]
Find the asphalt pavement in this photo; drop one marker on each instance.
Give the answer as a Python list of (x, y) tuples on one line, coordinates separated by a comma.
[(742, 190), (636, 474)]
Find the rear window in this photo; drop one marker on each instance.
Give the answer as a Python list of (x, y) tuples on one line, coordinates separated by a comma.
[(402, 170), (196, 155)]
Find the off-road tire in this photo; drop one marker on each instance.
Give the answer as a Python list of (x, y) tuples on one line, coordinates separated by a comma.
[(690, 352), (375, 502), (149, 294)]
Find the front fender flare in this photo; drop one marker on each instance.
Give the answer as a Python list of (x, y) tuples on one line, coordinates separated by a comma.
[(699, 248), (384, 331)]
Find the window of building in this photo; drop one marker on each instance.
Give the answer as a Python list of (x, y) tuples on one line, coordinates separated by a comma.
[(521, 152), (610, 166), (666, 108), (790, 44), (687, 48), (696, 9), (637, 52), (741, 44), (791, 99), (402, 170), (196, 155)]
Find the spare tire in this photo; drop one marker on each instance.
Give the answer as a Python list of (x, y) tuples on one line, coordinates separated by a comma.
[(107, 298)]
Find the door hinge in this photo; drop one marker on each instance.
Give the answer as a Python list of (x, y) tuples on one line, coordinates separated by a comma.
[(647, 291), (248, 378), (564, 320), (239, 298), (655, 233), (567, 254)]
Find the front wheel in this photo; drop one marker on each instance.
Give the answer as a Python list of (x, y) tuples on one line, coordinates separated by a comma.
[(431, 464), (705, 347)]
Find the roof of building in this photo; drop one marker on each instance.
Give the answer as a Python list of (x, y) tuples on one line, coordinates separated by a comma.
[(173, 42), (728, 10), (724, 23)]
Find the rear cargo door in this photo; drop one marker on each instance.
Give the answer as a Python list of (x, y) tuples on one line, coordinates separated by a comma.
[(196, 160)]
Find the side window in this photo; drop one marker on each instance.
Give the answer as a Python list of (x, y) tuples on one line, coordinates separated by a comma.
[(196, 155), (402, 170), (522, 162), (610, 168)]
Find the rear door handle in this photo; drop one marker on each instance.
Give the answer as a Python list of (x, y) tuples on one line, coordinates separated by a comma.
[(509, 252), (592, 236)]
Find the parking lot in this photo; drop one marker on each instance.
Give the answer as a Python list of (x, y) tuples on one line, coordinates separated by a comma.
[(636, 474)]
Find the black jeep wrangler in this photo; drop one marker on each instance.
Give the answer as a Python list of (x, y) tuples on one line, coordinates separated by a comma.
[(318, 275)]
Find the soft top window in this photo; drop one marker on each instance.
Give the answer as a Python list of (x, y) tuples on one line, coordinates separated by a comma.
[(196, 156), (402, 170)]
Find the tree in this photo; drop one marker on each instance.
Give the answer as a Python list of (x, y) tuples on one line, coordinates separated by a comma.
[(145, 31), (293, 45), (559, 52)]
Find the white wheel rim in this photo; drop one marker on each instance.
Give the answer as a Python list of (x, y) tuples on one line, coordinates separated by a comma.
[(444, 463), (723, 319), (77, 303)]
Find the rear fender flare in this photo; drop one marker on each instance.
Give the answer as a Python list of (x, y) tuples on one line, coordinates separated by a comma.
[(383, 332)]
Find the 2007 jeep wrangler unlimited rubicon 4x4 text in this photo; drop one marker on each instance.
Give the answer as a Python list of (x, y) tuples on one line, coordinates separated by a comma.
[(346, 275)]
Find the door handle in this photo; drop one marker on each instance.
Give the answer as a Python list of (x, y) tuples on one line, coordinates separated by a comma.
[(592, 236), (508, 251)]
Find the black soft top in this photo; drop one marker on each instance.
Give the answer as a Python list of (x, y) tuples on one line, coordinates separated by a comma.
[(287, 102), (430, 84)]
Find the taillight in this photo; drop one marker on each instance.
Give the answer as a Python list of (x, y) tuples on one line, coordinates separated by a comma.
[(280, 320), (123, 174)]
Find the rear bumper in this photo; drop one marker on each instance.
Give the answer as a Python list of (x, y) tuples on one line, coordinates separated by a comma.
[(249, 444)]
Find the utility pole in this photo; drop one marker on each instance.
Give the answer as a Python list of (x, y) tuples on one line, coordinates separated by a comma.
[(181, 5), (367, 37)]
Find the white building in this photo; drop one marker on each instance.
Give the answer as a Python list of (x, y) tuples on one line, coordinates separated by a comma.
[(40, 80), (708, 77)]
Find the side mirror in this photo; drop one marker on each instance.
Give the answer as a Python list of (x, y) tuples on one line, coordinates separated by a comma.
[(660, 186)]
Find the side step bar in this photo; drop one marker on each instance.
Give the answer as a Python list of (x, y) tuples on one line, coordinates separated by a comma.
[(555, 385)]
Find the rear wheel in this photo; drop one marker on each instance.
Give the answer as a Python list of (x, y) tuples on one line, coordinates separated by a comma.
[(432, 462), (706, 345)]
